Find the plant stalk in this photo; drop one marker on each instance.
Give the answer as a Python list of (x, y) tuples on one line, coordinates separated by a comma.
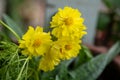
[(5, 25), (22, 68)]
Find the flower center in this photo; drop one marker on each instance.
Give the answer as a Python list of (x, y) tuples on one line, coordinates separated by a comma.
[(68, 47), (68, 21), (61, 51), (36, 43)]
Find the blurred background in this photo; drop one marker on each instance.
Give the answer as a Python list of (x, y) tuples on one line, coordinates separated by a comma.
[(102, 18)]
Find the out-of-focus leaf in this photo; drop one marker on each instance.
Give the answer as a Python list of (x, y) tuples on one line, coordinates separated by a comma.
[(87, 52), (92, 69), (103, 21), (63, 71), (112, 3), (3, 36), (84, 56), (13, 25), (57, 77)]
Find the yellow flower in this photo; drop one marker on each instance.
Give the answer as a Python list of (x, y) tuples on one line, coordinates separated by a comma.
[(35, 42), (49, 60), (68, 22), (67, 48), (46, 64), (62, 49)]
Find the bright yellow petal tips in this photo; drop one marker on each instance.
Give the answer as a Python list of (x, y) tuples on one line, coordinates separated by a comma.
[(35, 42), (68, 22)]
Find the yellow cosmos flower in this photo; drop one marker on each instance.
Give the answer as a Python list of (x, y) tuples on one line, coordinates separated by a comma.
[(67, 48), (49, 60), (35, 42), (60, 50), (46, 64), (68, 22)]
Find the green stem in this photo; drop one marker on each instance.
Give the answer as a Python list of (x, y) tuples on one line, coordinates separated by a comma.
[(13, 56), (26, 71), (22, 68), (10, 29)]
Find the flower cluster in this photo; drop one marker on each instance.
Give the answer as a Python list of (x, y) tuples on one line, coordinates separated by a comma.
[(68, 28)]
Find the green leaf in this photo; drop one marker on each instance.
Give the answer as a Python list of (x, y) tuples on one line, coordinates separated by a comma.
[(7, 49), (63, 70), (8, 52), (13, 25), (112, 3), (12, 64), (3, 36), (57, 77), (103, 21), (87, 52), (84, 56), (92, 69)]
